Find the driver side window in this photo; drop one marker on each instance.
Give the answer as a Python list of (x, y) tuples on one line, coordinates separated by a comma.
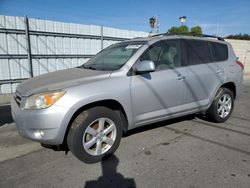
[(164, 54), (152, 53)]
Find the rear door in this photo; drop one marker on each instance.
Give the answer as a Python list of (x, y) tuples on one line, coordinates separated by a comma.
[(203, 73)]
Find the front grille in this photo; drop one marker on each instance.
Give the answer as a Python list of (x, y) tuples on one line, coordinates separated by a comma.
[(18, 99)]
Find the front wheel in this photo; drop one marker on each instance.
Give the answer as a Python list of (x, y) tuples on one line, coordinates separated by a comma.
[(94, 134), (222, 106)]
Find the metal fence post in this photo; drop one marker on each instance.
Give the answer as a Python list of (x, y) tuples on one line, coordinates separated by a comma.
[(101, 37), (28, 45)]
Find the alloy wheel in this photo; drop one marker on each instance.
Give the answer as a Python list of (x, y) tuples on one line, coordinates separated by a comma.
[(99, 136)]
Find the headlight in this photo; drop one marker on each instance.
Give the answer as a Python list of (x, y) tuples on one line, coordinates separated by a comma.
[(43, 100)]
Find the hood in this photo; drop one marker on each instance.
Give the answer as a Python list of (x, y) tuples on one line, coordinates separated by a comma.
[(60, 80)]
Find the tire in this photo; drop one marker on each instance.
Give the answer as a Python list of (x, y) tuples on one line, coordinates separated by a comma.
[(88, 141), (215, 113)]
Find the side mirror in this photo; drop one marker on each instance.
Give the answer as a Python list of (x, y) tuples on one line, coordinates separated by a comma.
[(144, 66)]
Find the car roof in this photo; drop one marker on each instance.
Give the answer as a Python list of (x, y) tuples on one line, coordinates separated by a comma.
[(163, 36)]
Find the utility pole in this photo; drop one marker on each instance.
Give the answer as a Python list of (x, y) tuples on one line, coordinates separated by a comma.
[(28, 45)]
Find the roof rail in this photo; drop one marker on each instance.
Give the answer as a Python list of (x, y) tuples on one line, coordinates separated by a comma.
[(189, 34), (210, 36)]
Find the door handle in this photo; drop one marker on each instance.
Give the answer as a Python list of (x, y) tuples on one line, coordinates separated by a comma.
[(219, 71), (180, 77)]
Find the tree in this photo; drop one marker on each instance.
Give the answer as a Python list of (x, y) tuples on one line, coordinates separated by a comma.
[(181, 29), (196, 30), (174, 30), (184, 29), (239, 36)]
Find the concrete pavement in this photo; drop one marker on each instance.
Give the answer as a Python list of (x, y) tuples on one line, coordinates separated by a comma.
[(185, 152)]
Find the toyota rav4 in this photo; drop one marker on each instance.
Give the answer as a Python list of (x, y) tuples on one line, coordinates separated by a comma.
[(127, 85)]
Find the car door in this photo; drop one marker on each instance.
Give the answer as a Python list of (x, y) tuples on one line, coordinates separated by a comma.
[(203, 75), (160, 93)]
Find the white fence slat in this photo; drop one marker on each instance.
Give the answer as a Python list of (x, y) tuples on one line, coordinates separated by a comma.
[(24, 66), (40, 25), (65, 27), (32, 24), (12, 43), (2, 22), (43, 66), (74, 62), (10, 22), (50, 41), (59, 45), (4, 69), (72, 28), (22, 46), (13, 87), (15, 68), (59, 64), (49, 26), (34, 44), (74, 46), (87, 46), (52, 65), (66, 45), (35, 64), (58, 27), (6, 88), (20, 23), (3, 44), (42, 45)]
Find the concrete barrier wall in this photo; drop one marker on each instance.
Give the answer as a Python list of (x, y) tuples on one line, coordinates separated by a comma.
[(242, 50)]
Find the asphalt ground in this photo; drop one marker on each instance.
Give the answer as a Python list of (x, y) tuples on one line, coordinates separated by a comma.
[(184, 152)]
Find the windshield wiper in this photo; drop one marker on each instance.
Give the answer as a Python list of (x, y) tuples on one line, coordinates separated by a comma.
[(95, 67), (89, 67)]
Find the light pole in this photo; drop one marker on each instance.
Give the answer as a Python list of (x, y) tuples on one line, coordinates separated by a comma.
[(182, 20)]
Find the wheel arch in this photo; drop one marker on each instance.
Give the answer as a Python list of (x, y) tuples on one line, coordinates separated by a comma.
[(109, 103), (231, 86)]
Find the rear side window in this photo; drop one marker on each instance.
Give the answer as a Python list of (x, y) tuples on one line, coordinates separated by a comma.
[(198, 52), (219, 51)]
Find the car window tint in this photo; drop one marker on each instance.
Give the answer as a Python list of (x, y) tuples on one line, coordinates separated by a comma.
[(170, 56), (165, 54), (152, 53), (219, 51), (198, 52)]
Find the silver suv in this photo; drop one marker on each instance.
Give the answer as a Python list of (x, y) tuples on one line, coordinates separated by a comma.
[(127, 85)]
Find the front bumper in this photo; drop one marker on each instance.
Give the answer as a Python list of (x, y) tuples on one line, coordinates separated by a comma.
[(45, 126)]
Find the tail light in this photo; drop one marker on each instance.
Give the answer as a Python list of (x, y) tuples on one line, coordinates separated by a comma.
[(240, 64)]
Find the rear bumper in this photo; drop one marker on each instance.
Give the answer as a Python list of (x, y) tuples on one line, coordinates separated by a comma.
[(45, 126)]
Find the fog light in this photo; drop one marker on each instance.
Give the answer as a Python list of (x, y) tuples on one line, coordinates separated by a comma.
[(38, 134)]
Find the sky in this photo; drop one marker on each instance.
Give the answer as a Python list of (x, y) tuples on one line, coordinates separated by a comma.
[(221, 17)]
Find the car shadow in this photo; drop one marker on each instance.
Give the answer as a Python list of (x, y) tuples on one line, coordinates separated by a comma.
[(5, 115), (196, 118), (110, 177), (159, 124)]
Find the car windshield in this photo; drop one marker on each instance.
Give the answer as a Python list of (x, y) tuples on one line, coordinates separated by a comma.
[(113, 57)]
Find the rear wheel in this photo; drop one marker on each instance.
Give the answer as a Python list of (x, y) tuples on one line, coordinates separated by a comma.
[(94, 134), (222, 106)]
